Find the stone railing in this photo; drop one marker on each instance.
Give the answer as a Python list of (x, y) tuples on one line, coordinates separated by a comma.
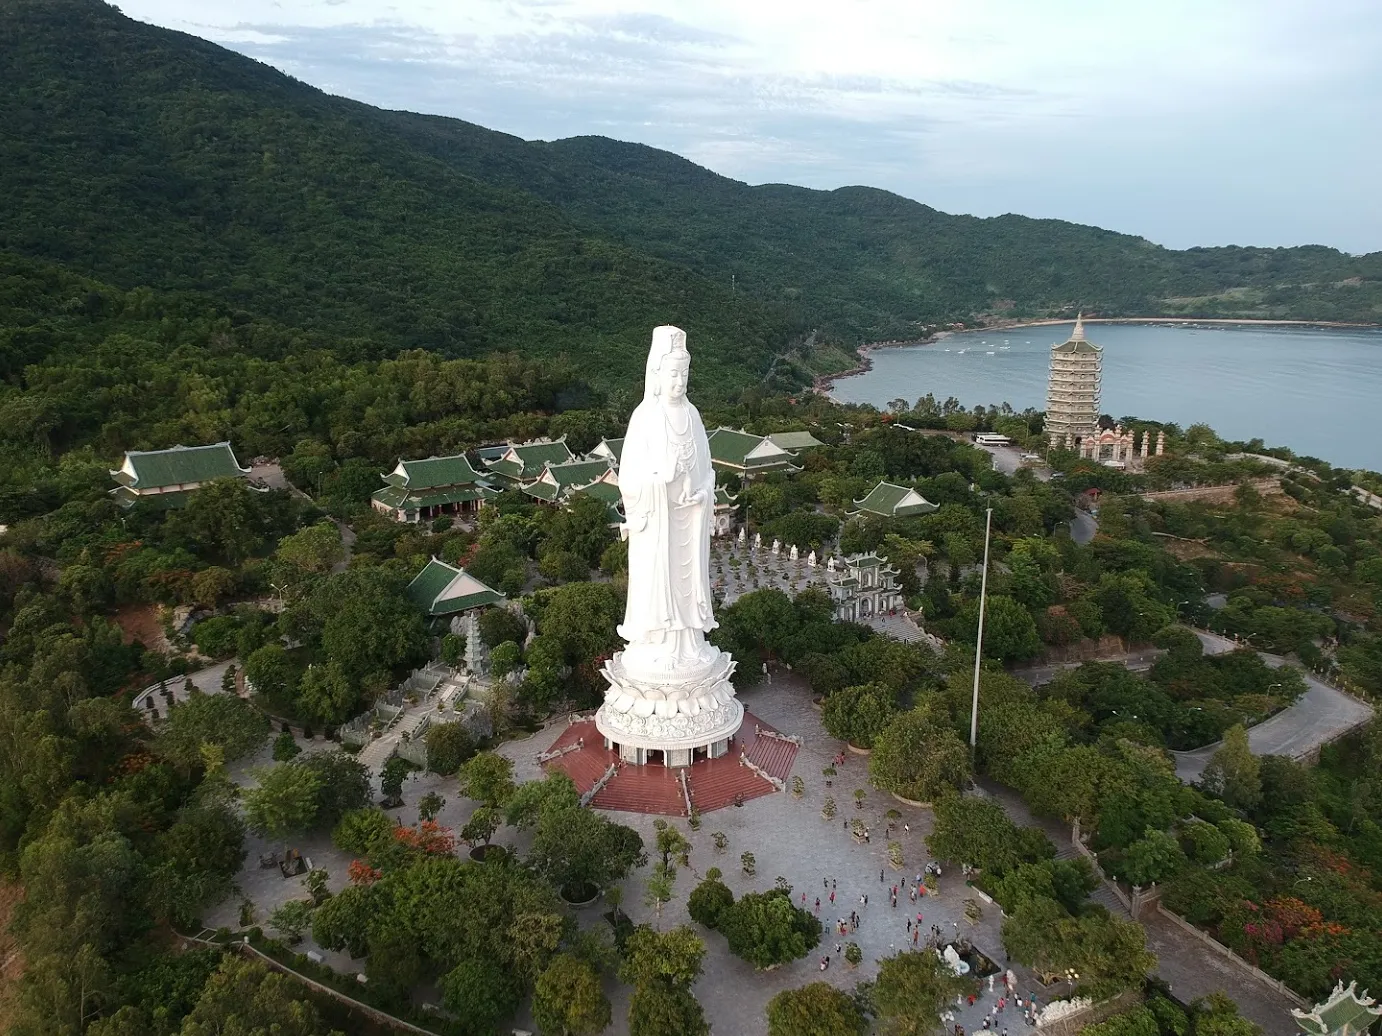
[(595, 789), (1219, 948), (791, 739), (557, 753), (1078, 842), (776, 782), (685, 783)]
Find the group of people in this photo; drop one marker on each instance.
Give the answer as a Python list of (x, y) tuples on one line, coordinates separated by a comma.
[(1008, 999)]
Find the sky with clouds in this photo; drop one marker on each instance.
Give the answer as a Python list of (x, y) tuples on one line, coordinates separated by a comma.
[(1185, 121)]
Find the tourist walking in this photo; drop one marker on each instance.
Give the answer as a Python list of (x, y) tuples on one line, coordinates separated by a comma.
[(818, 904)]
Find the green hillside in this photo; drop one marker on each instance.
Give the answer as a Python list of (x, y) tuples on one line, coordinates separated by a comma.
[(867, 264), (150, 158)]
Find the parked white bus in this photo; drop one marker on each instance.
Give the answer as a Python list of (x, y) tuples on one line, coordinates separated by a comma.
[(989, 439)]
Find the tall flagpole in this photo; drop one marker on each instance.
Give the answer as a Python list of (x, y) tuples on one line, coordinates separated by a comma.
[(979, 643)]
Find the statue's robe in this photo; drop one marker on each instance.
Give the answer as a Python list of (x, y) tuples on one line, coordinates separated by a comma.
[(669, 543)]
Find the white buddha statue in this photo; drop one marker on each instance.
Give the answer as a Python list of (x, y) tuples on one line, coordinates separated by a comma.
[(669, 689), (668, 487)]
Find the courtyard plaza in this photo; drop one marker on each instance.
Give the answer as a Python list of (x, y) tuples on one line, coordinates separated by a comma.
[(788, 837)]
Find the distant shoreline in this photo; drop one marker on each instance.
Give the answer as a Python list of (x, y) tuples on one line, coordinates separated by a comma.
[(824, 382)]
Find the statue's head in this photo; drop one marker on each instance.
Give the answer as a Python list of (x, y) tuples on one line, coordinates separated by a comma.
[(669, 364)]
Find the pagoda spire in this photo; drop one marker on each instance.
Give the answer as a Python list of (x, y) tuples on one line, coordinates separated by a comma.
[(1077, 335)]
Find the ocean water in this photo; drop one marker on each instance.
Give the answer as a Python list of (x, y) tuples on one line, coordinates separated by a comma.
[(1318, 391)]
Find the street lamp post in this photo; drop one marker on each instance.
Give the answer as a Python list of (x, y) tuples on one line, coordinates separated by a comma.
[(979, 643)]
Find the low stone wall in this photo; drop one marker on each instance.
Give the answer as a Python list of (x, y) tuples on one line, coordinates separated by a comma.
[(1070, 1024), (1219, 948), (1213, 494)]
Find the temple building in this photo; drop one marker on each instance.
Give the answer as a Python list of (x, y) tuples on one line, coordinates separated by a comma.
[(887, 500), (726, 506), (1072, 391), (557, 480), (794, 441), (1118, 448), (606, 490), (443, 590), (420, 490), (1345, 1013), (165, 477), (862, 586), (746, 454), (520, 463), (610, 449)]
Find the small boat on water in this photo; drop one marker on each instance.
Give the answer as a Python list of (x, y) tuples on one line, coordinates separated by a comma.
[(962, 352), (989, 353)]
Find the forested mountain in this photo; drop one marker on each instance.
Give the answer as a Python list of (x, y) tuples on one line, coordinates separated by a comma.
[(150, 158)]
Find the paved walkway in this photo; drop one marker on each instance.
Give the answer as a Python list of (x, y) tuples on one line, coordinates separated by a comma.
[(1183, 962), (207, 680)]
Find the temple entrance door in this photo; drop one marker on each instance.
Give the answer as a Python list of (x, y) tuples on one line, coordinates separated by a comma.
[(655, 755)]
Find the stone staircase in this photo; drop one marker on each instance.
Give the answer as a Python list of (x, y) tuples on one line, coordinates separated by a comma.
[(376, 753), (772, 756), (653, 790), (718, 784)]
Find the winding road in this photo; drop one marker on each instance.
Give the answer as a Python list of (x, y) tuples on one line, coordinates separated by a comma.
[(1321, 715)]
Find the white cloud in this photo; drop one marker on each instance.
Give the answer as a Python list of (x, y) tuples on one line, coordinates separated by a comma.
[(1188, 122)]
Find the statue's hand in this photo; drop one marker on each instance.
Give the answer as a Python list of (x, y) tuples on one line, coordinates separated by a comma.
[(696, 499)]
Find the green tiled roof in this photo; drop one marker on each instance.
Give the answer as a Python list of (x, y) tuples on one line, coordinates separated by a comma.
[(615, 446), (509, 469), (397, 498), (893, 501), (442, 589), (544, 491), (869, 560), (795, 440), (452, 495), (180, 465), (532, 458), (390, 496), (578, 472), (723, 497), (1346, 1011), (437, 471), (731, 447), (607, 494)]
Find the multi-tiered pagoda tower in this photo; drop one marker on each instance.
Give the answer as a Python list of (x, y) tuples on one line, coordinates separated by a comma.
[(1072, 392)]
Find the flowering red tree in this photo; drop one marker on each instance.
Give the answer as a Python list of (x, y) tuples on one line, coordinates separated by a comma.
[(428, 837), (361, 873)]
